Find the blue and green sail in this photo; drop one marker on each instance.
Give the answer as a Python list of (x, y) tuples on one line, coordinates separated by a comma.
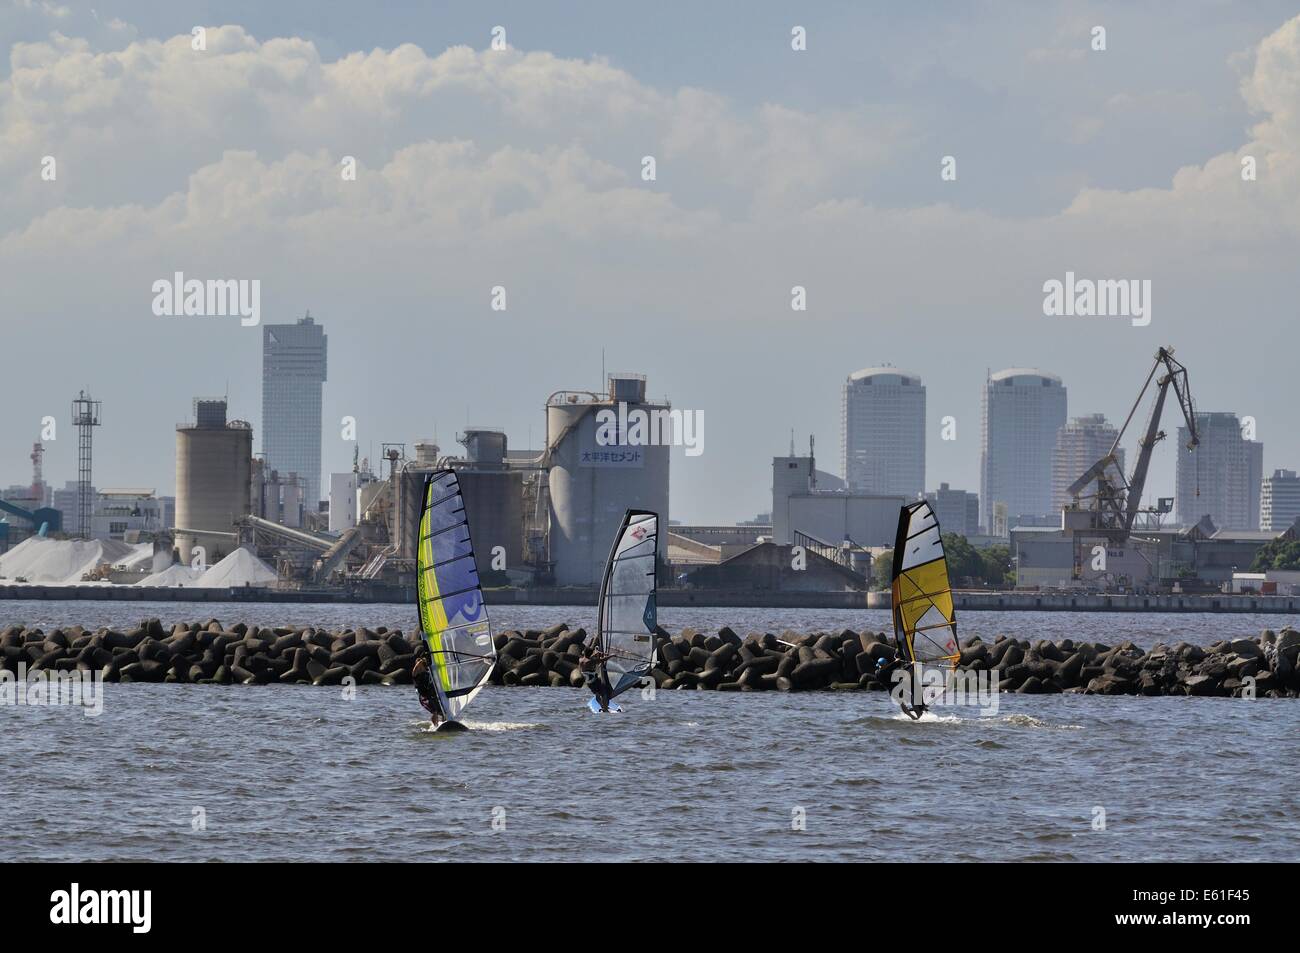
[(453, 619)]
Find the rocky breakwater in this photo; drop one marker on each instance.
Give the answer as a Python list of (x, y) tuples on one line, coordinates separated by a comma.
[(210, 653), (724, 661)]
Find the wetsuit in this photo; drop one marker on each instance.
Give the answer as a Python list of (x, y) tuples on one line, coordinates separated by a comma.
[(885, 674), (597, 679), (429, 694)]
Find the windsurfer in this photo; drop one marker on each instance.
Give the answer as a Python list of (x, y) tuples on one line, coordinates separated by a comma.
[(887, 675), (424, 685), (592, 666)]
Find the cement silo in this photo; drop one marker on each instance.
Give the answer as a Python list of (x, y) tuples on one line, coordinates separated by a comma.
[(213, 477), (593, 480), (493, 498)]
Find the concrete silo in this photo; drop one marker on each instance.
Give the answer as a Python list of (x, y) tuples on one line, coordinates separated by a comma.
[(213, 480), (493, 498), (592, 482)]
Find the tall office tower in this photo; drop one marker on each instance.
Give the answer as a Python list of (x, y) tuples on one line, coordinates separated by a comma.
[(1023, 410), (1221, 477), (1080, 444), (293, 370), (1279, 501), (882, 432), (1254, 480)]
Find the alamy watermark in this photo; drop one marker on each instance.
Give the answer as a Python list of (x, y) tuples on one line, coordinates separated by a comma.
[(216, 297), (43, 688), (128, 907), (1084, 297), (939, 688), (651, 428)]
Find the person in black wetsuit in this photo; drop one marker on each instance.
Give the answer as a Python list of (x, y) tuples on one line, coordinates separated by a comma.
[(592, 666), (423, 679), (885, 675)]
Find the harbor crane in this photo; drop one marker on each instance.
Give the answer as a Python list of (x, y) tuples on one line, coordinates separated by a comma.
[(1113, 509)]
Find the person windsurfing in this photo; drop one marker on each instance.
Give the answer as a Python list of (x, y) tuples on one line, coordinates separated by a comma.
[(885, 674), (423, 679), (592, 666)]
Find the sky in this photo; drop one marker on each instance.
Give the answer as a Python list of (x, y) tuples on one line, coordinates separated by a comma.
[(521, 168)]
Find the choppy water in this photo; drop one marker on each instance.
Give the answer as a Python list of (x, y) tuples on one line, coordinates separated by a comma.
[(299, 773)]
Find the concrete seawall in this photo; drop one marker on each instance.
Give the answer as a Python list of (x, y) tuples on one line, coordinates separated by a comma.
[(966, 600), (210, 653)]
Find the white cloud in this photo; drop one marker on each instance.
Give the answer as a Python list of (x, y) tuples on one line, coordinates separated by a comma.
[(479, 167)]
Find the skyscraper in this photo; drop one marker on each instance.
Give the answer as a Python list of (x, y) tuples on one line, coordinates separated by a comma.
[(1279, 501), (1221, 477), (1080, 444), (882, 432), (293, 370), (1023, 410)]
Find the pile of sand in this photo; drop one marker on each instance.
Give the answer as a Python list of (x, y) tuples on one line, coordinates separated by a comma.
[(140, 560), (62, 562), (177, 575), (240, 568)]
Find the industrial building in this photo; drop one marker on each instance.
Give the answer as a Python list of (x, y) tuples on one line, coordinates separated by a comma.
[(18, 523), (1199, 556), (958, 511), (882, 432), (494, 502), (131, 514), (543, 517), (213, 480), (804, 513), (589, 485), (68, 502), (1279, 501), (772, 568), (1221, 479), (1023, 409), (293, 374)]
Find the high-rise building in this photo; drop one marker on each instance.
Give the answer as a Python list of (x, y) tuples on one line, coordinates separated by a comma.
[(68, 502), (1023, 409), (1221, 478), (1254, 480), (958, 511), (1080, 444), (882, 432), (293, 372), (1279, 501)]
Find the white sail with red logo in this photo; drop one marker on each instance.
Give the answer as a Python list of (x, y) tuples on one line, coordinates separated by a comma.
[(626, 618)]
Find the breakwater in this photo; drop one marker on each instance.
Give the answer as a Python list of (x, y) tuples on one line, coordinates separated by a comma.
[(211, 653), (965, 600)]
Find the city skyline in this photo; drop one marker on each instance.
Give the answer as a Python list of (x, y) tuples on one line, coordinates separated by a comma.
[(775, 169), (1151, 493)]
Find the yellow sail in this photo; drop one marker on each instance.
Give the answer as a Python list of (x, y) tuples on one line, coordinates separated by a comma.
[(925, 625)]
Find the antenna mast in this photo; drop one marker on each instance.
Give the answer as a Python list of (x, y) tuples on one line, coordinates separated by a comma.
[(85, 417)]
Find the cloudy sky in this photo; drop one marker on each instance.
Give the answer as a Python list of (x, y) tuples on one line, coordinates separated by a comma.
[(522, 168)]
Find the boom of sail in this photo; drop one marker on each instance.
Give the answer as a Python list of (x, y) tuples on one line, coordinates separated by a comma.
[(925, 625), (626, 618), (453, 617)]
